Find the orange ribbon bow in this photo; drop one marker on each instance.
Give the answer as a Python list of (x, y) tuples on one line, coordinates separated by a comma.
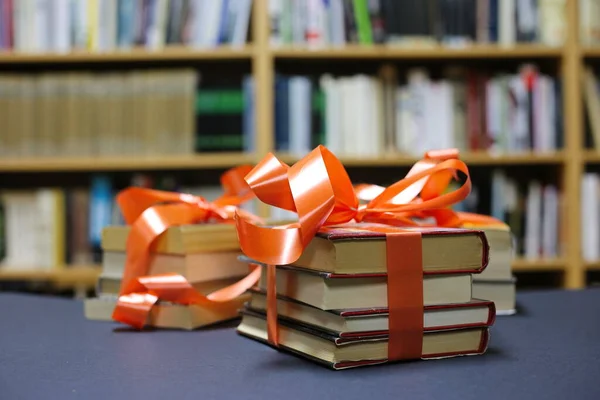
[(319, 190), (150, 213), (433, 187)]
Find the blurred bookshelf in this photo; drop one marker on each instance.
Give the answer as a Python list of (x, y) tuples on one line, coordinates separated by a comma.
[(62, 277), (264, 56), (383, 52), (169, 53), (115, 163)]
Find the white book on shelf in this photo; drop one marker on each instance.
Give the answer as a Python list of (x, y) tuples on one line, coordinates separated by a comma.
[(365, 131), (552, 22), (418, 83), (533, 221), (589, 23), (61, 25), (590, 217), (550, 222), (346, 93), (44, 35), (299, 22), (316, 33), (379, 127), (242, 20), (443, 136), (79, 24), (158, 30), (213, 9), (405, 123), (197, 22), (300, 97), (333, 114), (108, 24), (337, 35), (539, 115), (519, 116), (507, 29), (275, 8)]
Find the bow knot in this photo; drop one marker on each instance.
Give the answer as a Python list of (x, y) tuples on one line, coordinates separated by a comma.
[(319, 190)]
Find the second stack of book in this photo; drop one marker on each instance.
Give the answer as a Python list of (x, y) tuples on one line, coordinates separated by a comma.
[(497, 283), (332, 303), (205, 254)]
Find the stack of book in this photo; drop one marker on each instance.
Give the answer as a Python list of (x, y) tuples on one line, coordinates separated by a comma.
[(496, 282), (205, 254), (332, 303)]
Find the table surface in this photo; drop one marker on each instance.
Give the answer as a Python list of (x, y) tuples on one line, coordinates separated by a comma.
[(551, 350)]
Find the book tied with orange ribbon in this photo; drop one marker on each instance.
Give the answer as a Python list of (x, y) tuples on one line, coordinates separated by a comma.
[(343, 319), (353, 284), (175, 265)]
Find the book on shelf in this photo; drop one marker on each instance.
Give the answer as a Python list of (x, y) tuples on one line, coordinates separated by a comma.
[(138, 113), (500, 113), (222, 119), (532, 210), (65, 226), (589, 26), (454, 23), (590, 216), (60, 26), (341, 318), (34, 228)]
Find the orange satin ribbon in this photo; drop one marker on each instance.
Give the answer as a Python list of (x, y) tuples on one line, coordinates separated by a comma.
[(319, 190), (429, 188), (150, 213)]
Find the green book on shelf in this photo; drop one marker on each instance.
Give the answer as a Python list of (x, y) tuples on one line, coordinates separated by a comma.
[(363, 22), (318, 118), (219, 120)]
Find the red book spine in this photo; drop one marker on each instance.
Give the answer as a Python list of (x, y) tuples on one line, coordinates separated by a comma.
[(473, 112)]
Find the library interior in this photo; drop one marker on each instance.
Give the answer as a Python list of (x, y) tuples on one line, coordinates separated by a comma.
[(183, 182)]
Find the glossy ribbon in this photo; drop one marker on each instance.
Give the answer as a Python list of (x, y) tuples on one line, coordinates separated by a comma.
[(319, 190), (431, 187), (150, 213)]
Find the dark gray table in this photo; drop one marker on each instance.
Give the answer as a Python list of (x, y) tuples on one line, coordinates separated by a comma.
[(49, 351)]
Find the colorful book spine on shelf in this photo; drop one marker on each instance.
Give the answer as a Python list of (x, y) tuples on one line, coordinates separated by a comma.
[(499, 113), (219, 119), (98, 114), (103, 25), (531, 208), (454, 23)]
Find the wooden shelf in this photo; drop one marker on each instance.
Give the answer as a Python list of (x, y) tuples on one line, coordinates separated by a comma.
[(592, 266), (541, 265), (435, 52), (591, 156), (73, 276), (472, 158), (137, 54), (591, 52), (123, 163)]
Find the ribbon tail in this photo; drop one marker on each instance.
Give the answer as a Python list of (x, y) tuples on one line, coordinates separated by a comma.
[(133, 309)]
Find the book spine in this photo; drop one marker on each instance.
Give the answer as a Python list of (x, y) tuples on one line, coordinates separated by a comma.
[(363, 21)]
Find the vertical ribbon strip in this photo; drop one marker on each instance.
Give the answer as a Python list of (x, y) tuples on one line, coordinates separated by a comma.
[(404, 255)]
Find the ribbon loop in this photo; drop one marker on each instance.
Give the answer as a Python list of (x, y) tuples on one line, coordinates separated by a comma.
[(150, 213), (319, 190)]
